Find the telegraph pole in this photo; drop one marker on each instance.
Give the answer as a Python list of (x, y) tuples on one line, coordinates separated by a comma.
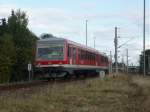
[(110, 63), (127, 61), (116, 50), (123, 63), (86, 32), (94, 42), (144, 72)]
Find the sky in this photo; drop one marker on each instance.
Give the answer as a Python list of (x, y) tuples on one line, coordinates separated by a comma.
[(66, 19)]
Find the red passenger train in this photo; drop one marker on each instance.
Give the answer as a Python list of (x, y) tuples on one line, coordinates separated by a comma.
[(58, 57)]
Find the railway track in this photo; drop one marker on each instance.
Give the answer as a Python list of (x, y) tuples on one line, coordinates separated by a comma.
[(24, 85), (16, 86)]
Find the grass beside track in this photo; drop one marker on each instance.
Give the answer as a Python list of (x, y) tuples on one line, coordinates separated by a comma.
[(119, 94)]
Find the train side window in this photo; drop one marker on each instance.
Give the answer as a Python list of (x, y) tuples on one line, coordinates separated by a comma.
[(102, 59), (87, 55), (69, 51), (94, 57), (84, 55), (90, 57), (74, 52), (106, 60), (79, 53)]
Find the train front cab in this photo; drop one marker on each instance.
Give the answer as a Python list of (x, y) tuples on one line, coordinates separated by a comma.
[(50, 58)]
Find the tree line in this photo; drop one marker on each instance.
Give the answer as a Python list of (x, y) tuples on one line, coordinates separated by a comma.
[(17, 47)]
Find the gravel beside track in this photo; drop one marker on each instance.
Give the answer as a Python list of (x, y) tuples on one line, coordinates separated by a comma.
[(24, 85)]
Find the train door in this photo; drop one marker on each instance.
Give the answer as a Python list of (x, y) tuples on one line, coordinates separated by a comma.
[(148, 65), (74, 52), (72, 55)]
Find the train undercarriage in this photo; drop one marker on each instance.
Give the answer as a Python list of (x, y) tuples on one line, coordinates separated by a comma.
[(67, 72)]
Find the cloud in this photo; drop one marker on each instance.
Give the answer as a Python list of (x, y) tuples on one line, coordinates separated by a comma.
[(71, 24), (88, 5), (5, 10)]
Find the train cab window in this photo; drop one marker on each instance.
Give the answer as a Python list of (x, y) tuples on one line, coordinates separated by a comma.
[(52, 52)]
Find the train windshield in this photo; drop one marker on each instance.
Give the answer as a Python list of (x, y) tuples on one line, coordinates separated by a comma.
[(51, 52)]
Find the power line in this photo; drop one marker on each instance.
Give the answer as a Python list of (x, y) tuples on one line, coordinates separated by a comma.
[(125, 42)]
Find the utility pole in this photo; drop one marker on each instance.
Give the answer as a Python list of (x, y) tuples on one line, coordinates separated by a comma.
[(144, 72), (116, 50), (94, 42), (86, 32), (127, 61), (123, 63), (110, 63)]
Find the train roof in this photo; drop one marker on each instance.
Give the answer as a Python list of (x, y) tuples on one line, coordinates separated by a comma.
[(73, 43), (51, 39)]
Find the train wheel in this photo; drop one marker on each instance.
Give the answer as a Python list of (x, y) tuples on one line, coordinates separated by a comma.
[(67, 76)]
